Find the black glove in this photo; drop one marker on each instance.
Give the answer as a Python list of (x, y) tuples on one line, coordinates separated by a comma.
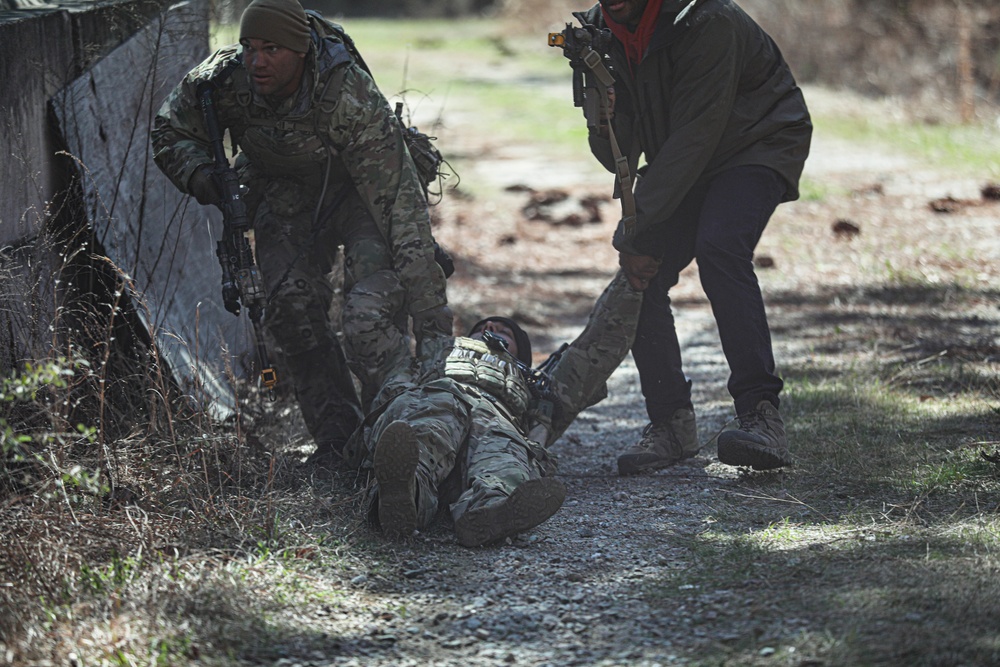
[(231, 299), (433, 321), (444, 260), (203, 186)]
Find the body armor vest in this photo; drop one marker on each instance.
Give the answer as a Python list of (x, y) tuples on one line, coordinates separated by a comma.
[(472, 363)]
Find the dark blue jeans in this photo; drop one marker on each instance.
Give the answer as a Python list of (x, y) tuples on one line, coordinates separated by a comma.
[(718, 224)]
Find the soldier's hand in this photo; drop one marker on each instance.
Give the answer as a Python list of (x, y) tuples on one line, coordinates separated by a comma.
[(433, 321), (639, 269), (444, 260), (232, 306), (432, 329), (203, 186)]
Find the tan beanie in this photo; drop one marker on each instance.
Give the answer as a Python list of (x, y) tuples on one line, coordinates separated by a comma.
[(283, 22)]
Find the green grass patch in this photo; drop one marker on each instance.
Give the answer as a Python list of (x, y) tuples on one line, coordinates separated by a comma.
[(968, 149), (887, 522)]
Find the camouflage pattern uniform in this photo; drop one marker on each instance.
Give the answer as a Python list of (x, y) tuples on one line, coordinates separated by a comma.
[(473, 425), (327, 166)]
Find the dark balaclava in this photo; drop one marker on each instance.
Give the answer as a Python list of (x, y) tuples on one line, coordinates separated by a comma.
[(520, 336), (283, 22)]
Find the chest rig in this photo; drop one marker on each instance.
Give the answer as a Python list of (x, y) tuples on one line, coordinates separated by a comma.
[(473, 363), (294, 144)]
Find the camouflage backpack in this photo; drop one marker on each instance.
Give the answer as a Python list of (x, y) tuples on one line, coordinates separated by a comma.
[(426, 156)]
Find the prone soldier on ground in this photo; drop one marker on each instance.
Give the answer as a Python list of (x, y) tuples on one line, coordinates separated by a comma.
[(325, 164), (476, 440)]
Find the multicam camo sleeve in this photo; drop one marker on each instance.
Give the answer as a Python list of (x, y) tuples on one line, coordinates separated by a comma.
[(179, 138), (370, 140), (579, 378)]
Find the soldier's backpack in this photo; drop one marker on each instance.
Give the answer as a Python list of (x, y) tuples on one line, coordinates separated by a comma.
[(427, 158)]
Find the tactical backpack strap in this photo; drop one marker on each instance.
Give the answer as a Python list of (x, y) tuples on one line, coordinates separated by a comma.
[(426, 157), (332, 29)]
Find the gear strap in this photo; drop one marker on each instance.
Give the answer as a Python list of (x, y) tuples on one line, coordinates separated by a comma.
[(593, 60)]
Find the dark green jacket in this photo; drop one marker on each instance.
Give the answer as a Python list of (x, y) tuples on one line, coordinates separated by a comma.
[(713, 92)]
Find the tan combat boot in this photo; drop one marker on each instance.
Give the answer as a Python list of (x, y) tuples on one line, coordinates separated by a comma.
[(662, 444), (759, 442)]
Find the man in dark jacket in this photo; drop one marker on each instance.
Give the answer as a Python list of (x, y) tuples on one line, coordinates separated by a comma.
[(704, 94)]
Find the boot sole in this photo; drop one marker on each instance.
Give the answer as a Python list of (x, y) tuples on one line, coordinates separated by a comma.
[(750, 454), (530, 504), (395, 461)]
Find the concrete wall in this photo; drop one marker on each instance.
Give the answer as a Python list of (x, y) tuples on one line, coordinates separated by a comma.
[(81, 87), (41, 51)]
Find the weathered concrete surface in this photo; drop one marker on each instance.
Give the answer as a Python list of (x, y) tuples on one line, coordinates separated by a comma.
[(101, 73), (160, 242)]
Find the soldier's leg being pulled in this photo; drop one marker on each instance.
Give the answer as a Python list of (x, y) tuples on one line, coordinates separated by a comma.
[(299, 300), (375, 320), (415, 447), (506, 492)]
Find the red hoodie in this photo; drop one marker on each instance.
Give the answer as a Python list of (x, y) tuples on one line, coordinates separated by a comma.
[(635, 43)]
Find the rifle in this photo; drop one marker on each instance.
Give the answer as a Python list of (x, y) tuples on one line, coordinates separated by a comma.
[(537, 380), (241, 281), (586, 47)]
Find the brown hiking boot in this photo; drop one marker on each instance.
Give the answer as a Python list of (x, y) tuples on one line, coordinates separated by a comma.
[(395, 461), (759, 442), (530, 504), (662, 444)]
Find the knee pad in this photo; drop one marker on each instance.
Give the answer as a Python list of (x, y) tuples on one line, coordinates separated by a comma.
[(298, 314)]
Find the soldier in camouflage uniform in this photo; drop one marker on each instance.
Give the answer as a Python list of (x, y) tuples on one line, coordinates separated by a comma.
[(476, 439), (325, 163)]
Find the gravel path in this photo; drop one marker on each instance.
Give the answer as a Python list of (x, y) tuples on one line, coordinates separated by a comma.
[(581, 589)]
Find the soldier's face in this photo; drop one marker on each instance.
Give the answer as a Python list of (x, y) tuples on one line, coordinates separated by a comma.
[(500, 329), (626, 12), (275, 71)]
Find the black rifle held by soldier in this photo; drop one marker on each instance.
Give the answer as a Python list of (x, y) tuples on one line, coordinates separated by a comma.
[(241, 281), (586, 48)]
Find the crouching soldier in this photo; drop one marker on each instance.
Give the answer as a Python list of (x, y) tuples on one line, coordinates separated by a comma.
[(326, 165)]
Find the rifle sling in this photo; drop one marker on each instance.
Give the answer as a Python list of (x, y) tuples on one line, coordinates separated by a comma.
[(595, 62)]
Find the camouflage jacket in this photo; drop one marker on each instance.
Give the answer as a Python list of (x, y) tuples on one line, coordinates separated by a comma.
[(338, 123)]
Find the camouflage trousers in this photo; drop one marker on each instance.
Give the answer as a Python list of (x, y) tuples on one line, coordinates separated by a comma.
[(471, 453), (296, 257)]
